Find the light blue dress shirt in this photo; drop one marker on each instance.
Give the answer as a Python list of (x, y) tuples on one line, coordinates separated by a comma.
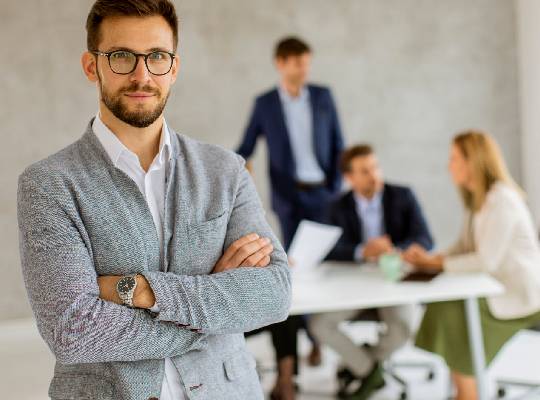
[(299, 121), (371, 215)]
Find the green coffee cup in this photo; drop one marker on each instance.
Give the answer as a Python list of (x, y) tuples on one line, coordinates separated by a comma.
[(390, 265)]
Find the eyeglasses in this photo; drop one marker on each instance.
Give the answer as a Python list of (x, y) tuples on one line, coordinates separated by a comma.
[(124, 62)]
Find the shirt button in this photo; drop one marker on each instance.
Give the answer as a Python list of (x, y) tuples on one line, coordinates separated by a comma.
[(153, 398)]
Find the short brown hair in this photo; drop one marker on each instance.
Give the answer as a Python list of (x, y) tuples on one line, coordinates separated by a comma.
[(291, 46), (360, 150), (128, 8)]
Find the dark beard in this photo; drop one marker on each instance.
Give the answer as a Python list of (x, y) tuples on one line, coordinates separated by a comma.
[(137, 119)]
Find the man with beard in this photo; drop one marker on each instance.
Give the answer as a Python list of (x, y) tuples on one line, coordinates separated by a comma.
[(146, 254)]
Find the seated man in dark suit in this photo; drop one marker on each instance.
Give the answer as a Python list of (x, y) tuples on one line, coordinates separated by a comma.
[(377, 218)]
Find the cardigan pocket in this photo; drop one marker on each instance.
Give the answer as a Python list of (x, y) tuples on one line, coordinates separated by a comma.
[(205, 241), (238, 364)]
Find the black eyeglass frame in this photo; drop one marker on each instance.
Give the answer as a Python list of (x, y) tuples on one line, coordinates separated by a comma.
[(137, 56)]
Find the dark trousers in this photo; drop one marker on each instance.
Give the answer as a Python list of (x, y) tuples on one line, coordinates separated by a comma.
[(310, 205), (284, 337)]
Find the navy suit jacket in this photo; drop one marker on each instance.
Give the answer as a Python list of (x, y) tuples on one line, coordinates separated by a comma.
[(268, 119), (403, 222)]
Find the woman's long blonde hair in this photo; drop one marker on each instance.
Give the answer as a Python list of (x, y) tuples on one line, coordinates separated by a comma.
[(487, 166)]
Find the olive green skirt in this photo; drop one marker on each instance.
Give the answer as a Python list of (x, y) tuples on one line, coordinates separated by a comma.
[(444, 331)]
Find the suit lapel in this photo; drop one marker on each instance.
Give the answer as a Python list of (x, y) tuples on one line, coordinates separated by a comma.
[(277, 109), (139, 220), (317, 140), (279, 117), (353, 218), (387, 209), (177, 203)]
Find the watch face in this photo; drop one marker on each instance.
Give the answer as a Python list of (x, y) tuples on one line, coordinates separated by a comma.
[(126, 284)]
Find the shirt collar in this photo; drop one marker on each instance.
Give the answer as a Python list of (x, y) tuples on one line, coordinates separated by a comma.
[(165, 147), (365, 204), (285, 96), (115, 148)]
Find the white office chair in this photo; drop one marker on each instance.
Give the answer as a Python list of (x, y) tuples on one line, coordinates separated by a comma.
[(392, 369), (517, 367)]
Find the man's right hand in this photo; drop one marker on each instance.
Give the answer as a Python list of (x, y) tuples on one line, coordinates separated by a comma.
[(248, 251), (376, 247)]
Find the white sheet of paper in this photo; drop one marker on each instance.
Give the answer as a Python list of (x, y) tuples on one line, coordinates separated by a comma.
[(311, 244)]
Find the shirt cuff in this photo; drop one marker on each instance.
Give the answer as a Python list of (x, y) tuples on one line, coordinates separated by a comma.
[(154, 308), (359, 253)]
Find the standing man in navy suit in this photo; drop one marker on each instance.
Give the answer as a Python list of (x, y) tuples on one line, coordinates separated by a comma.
[(300, 124)]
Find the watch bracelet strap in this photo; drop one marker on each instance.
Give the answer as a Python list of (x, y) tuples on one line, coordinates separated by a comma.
[(128, 299)]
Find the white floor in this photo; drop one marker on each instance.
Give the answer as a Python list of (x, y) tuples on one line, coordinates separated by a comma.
[(26, 366)]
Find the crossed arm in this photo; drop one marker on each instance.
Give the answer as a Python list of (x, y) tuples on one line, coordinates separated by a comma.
[(249, 250), (233, 300), (80, 325)]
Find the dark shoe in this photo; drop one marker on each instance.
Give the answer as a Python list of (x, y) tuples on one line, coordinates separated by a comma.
[(314, 358), (345, 378), (370, 384)]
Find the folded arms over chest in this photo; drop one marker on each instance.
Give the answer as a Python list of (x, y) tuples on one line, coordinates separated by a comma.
[(237, 300)]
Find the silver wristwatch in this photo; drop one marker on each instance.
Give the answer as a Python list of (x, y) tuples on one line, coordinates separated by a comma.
[(126, 288)]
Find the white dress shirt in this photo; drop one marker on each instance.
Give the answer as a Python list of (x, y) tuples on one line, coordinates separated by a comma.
[(152, 186), (371, 215), (299, 122)]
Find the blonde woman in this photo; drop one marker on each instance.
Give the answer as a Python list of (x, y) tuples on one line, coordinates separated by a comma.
[(498, 238)]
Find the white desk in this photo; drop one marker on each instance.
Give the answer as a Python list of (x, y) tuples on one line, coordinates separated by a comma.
[(342, 286)]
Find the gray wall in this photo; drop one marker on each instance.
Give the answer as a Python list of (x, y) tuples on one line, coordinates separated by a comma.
[(406, 74)]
